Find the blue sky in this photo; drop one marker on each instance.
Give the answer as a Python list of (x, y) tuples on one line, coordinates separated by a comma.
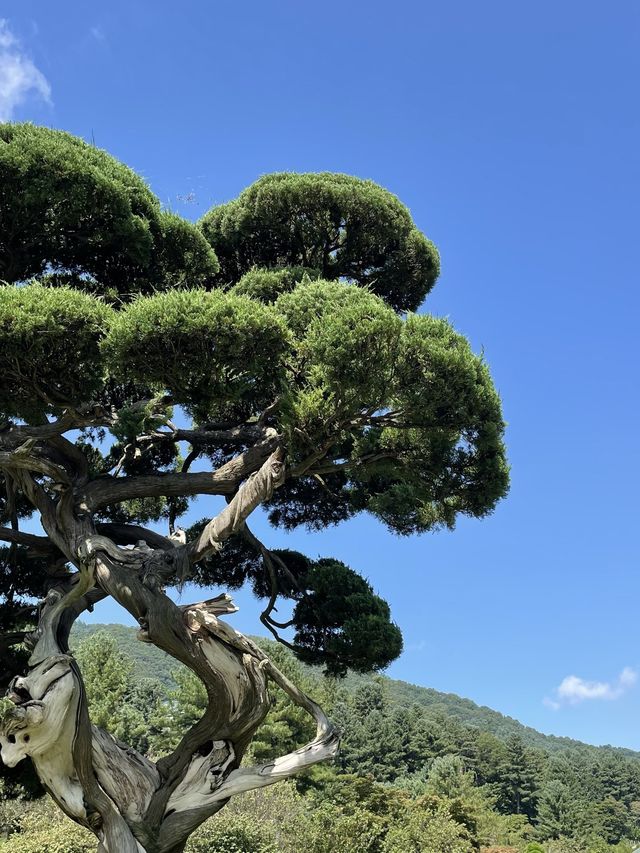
[(512, 133)]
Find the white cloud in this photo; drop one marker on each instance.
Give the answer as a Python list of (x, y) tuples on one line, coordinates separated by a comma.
[(573, 690), (19, 77)]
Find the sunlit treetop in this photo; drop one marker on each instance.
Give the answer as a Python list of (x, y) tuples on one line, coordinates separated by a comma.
[(346, 228), (69, 210)]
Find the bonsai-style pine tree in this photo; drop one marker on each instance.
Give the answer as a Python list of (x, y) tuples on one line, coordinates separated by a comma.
[(267, 357)]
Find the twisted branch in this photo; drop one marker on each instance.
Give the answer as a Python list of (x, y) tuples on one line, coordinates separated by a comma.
[(257, 489)]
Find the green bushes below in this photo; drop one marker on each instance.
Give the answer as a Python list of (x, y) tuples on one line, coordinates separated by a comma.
[(350, 815)]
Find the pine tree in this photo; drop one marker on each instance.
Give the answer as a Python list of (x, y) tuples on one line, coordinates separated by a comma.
[(556, 810), (518, 779), (117, 700)]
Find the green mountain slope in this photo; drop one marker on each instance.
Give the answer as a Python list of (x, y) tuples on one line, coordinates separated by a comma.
[(150, 661), (481, 717), (153, 663)]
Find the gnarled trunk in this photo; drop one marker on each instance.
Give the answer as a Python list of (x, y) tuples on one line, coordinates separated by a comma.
[(129, 802)]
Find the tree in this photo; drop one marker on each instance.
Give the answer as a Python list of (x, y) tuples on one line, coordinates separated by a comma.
[(518, 779), (372, 744), (269, 344), (107, 674), (608, 819), (430, 825), (183, 707), (556, 810)]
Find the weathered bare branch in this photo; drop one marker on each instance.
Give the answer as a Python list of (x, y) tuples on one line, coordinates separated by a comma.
[(242, 435), (258, 488), (29, 457), (41, 544), (198, 792), (109, 490), (132, 534), (13, 435)]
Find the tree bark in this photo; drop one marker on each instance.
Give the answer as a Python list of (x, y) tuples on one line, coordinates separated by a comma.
[(132, 804)]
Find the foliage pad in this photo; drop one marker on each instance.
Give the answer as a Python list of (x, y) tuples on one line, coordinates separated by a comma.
[(344, 227)]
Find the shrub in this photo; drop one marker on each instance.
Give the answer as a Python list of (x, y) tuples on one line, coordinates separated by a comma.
[(231, 833)]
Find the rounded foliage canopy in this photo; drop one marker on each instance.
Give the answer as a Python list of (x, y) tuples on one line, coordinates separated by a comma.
[(340, 621), (344, 227), (207, 349), (50, 343), (71, 211)]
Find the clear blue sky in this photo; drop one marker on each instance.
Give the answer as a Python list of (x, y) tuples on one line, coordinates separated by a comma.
[(512, 132)]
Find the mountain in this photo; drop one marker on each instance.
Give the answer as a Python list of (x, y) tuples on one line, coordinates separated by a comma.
[(151, 662)]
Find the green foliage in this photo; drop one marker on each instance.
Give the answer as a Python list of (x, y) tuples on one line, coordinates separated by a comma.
[(69, 208), (346, 347), (451, 460), (140, 418), (44, 829), (429, 825), (314, 504), (448, 777), (265, 285), (241, 834), (512, 831), (208, 349), (342, 623), (183, 258), (344, 227), (117, 702), (442, 385), (608, 819), (439, 451), (327, 829), (373, 744), (42, 329), (556, 810), (518, 774)]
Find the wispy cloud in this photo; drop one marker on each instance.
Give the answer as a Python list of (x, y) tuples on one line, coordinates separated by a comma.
[(97, 33), (19, 77), (418, 646), (573, 690)]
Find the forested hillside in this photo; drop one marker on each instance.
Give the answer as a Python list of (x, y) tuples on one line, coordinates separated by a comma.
[(418, 772), (151, 662)]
